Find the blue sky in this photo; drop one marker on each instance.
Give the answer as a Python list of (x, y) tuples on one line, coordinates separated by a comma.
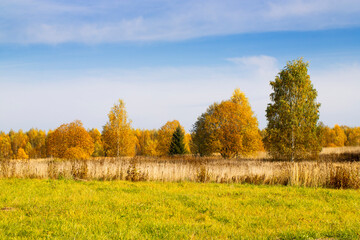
[(67, 60)]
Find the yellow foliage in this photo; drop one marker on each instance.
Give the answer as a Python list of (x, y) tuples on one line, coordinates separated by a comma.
[(335, 137), (353, 136), (69, 136), (146, 142), (21, 154), (119, 139), (5, 146), (50, 143), (164, 137), (37, 141), (236, 127), (187, 142), (98, 143), (95, 135), (75, 153), (18, 140), (229, 128), (340, 137), (29, 149), (328, 137)]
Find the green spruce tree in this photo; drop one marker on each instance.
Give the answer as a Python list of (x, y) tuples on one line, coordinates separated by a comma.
[(177, 145), (292, 132)]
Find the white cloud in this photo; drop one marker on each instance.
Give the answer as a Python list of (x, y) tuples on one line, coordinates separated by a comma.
[(264, 66), (283, 8), (156, 95), (39, 21), (338, 92), (152, 99)]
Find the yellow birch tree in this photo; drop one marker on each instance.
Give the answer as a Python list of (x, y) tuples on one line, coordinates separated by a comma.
[(37, 141), (146, 142), (18, 140), (118, 136), (293, 132), (98, 143)]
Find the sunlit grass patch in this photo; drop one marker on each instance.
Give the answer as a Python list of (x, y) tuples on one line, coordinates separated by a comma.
[(152, 210)]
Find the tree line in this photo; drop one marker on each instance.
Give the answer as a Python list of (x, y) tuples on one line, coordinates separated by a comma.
[(229, 128), (72, 140), (37, 143)]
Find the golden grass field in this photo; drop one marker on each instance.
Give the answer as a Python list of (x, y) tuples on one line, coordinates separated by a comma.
[(167, 198), (330, 171)]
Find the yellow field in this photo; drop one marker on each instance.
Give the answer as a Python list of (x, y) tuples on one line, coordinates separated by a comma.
[(323, 173), (68, 209)]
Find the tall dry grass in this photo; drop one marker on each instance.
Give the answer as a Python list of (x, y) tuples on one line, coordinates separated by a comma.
[(324, 173), (340, 150)]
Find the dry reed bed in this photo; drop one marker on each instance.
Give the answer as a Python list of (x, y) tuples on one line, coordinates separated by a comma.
[(340, 150), (254, 171)]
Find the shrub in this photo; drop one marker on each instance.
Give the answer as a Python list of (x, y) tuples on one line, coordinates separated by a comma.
[(79, 169), (342, 177), (134, 174), (202, 174), (76, 153)]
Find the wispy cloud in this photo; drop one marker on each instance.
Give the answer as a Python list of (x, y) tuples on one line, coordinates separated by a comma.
[(263, 65), (44, 101), (156, 95), (338, 92), (39, 21), (280, 9)]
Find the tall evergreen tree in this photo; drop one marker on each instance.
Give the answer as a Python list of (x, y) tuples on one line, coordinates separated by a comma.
[(164, 137), (292, 131), (177, 145)]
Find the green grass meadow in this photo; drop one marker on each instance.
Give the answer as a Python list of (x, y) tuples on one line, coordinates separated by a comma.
[(67, 209)]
